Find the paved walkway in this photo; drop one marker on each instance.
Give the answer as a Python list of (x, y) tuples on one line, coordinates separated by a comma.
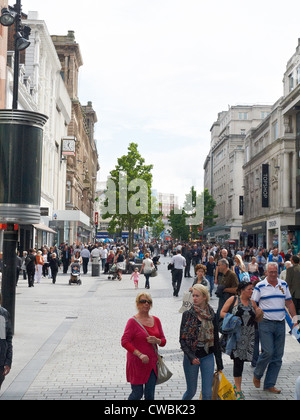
[(67, 341)]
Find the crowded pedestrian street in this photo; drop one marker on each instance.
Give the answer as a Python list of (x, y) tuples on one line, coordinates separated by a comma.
[(67, 341)]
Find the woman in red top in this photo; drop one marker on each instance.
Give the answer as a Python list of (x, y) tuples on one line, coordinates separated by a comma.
[(141, 370)]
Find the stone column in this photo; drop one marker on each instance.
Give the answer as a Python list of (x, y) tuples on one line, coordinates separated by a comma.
[(286, 180)]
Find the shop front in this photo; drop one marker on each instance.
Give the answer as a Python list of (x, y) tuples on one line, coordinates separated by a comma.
[(72, 226), (254, 235), (290, 238)]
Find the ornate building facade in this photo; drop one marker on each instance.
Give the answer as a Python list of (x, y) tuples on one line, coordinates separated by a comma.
[(76, 223)]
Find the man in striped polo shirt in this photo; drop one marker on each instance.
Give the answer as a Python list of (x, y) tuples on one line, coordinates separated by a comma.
[(272, 295)]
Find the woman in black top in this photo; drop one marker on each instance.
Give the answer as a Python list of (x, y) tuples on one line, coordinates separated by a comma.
[(54, 264)]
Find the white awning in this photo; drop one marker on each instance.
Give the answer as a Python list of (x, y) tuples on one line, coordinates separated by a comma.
[(44, 228)]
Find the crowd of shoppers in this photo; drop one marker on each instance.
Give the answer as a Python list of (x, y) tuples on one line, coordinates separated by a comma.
[(258, 302), (251, 294)]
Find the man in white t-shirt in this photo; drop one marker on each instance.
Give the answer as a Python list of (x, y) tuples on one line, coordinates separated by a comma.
[(179, 262), (103, 256), (272, 295)]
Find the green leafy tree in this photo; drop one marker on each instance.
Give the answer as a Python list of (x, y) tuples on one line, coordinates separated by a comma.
[(199, 209), (128, 202), (157, 228), (209, 208), (180, 230)]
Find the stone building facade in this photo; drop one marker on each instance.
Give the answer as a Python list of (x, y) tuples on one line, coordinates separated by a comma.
[(223, 174), (42, 90), (272, 170), (82, 166)]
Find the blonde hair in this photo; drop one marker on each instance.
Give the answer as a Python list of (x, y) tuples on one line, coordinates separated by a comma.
[(202, 289), (146, 295), (242, 265)]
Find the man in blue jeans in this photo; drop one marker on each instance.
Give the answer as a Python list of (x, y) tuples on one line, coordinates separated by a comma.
[(271, 295)]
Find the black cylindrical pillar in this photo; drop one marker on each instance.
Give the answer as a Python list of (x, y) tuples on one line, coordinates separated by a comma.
[(21, 145)]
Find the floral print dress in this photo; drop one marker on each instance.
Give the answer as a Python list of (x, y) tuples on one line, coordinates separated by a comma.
[(245, 346)]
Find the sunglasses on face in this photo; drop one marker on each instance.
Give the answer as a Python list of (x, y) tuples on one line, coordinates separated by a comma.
[(145, 301)]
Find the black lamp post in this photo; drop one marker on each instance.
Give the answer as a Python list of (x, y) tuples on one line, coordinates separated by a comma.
[(21, 142), (8, 18)]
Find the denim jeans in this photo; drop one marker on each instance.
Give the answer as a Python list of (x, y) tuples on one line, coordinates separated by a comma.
[(207, 365), (147, 283), (211, 281), (148, 389), (272, 339)]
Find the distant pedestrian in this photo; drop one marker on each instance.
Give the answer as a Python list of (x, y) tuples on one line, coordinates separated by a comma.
[(200, 278), (135, 276), (66, 258), (272, 295), (293, 281), (85, 254), (23, 267), (39, 267), (199, 341), (19, 266), (277, 258), (141, 341), (210, 273), (6, 348), (261, 262), (30, 266), (147, 267), (54, 266), (179, 263)]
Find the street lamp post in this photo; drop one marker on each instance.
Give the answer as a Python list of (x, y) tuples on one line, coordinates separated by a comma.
[(8, 18), (21, 140)]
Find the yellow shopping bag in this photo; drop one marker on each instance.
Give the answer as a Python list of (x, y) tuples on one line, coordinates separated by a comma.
[(226, 391)]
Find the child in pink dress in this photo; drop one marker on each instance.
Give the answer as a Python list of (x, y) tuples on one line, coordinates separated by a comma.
[(135, 276)]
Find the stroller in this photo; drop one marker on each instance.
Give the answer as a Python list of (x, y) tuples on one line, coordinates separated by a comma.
[(115, 273), (75, 274)]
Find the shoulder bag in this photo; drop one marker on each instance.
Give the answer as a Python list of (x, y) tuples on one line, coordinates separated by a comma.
[(163, 373)]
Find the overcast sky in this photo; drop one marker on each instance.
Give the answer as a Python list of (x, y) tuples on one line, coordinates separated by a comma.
[(159, 71)]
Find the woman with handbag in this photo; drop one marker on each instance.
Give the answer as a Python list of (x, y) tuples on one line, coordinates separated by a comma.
[(246, 309), (142, 334), (199, 340), (147, 266)]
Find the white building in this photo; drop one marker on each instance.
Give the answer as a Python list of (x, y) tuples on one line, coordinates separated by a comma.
[(272, 170), (41, 89), (223, 168)]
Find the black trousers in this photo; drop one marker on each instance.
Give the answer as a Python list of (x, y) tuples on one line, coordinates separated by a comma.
[(187, 270), (176, 280), (85, 262), (297, 305), (2, 377), (30, 274), (54, 275)]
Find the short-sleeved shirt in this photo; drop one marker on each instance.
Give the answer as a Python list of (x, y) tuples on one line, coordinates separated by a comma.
[(230, 280), (272, 299)]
